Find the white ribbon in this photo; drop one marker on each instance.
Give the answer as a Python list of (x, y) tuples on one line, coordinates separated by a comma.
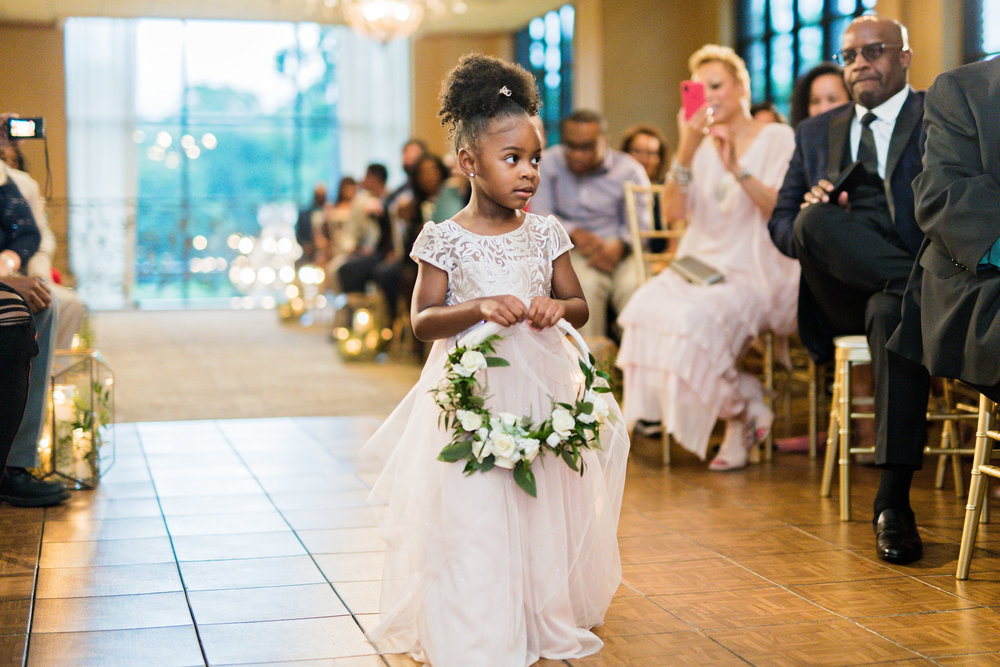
[(481, 332)]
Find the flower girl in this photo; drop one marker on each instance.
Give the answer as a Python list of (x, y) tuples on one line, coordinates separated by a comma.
[(503, 468)]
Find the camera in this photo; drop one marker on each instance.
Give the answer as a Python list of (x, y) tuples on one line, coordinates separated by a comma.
[(24, 128)]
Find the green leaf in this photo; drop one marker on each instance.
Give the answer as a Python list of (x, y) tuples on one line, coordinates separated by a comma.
[(487, 463), (569, 458), (525, 479), (586, 408), (602, 390), (494, 362), (456, 451)]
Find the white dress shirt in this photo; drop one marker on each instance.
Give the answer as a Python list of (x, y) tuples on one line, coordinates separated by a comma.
[(882, 126)]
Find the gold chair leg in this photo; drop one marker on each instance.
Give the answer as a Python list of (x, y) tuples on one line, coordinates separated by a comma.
[(830, 459), (814, 389), (977, 489), (844, 369), (666, 447), (769, 391)]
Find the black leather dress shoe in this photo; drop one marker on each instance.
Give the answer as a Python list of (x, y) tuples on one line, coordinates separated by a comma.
[(20, 488), (896, 537)]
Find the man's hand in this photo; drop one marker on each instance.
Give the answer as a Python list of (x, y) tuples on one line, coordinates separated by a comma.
[(607, 255), (33, 290), (820, 193), (586, 242)]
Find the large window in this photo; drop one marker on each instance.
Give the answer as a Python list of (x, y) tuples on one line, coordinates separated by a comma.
[(545, 48), (214, 132), (982, 29), (781, 39)]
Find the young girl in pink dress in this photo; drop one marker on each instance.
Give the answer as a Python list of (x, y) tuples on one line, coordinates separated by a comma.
[(477, 571)]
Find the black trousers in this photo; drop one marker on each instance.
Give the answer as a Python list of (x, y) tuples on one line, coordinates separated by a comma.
[(17, 347), (856, 268)]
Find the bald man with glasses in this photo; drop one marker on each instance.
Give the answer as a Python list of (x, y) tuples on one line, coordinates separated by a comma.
[(857, 248)]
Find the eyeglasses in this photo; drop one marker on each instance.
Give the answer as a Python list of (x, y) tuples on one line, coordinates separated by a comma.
[(871, 52)]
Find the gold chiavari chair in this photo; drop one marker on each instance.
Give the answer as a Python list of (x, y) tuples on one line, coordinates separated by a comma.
[(849, 352), (978, 506)]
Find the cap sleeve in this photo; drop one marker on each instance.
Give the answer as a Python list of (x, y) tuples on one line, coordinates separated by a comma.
[(429, 246), (558, 238)]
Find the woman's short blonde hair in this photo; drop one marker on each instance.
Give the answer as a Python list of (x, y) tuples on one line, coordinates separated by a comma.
[(727, 57)]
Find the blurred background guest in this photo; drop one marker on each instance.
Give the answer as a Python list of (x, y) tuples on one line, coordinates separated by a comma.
[(455, 192), (767, 112), (311, 220), (681, 341), (581, 183), (647, 146), (820, 89)]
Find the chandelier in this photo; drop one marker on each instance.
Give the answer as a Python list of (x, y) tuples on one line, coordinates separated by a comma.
[(386, 20)]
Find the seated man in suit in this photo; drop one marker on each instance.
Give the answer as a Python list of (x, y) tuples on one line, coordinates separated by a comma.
[(857, 249), (951, 311)]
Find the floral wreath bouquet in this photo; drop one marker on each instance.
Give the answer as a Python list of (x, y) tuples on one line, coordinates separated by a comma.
[(486, 440)]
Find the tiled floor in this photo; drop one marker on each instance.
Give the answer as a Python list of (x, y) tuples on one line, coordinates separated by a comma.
[(249, 542)]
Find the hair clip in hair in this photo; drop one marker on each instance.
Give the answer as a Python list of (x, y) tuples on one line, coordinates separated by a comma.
[(505, 91)]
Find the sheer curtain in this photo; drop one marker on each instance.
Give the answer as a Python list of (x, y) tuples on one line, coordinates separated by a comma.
[(100, 118), (374, 101)]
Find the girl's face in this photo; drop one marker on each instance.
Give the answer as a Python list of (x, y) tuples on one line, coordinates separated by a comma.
[(723, 92), (826, 92), (505, 161), (645, 149)]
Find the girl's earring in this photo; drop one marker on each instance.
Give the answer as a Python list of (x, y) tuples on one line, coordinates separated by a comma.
[(472, 174)]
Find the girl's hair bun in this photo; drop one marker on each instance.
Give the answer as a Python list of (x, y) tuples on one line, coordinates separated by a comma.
[(481, 88)]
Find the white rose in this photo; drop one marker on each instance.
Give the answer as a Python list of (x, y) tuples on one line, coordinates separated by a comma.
[(507, 419), (562, 422), (470, 421), (529, 448), (504, 449), (470, 362), (600, 405), (587, 418), (483, 433), (553, 440)]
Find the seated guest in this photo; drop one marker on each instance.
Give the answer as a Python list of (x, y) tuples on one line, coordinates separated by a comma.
[(951, 309), (767, 112), (820, 89), (454, 195), (19, 240), (311, 220), (857, 249), (71, 308), (680, 340), (17, 347), (647, 146), (581, 182)]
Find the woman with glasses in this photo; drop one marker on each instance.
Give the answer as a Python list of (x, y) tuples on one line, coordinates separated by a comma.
[(681, 340)]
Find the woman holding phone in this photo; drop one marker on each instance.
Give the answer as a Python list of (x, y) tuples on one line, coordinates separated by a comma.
[(681, 340)]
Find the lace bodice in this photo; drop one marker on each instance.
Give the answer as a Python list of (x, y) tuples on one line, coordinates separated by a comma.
[(518, 262)]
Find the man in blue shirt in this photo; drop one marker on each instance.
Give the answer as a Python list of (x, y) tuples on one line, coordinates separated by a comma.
[(582, 184)]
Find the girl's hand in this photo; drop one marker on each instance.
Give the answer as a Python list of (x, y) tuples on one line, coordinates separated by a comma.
[(545, 311), (506, 309)]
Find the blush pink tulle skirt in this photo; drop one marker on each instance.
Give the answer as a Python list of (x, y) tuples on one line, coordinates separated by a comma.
[(477, 572)]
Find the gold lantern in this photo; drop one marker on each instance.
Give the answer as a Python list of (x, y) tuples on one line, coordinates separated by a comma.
[(79, 445)]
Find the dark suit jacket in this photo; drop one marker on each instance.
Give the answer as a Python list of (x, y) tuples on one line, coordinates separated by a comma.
[(950, 310), (821, 151)]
